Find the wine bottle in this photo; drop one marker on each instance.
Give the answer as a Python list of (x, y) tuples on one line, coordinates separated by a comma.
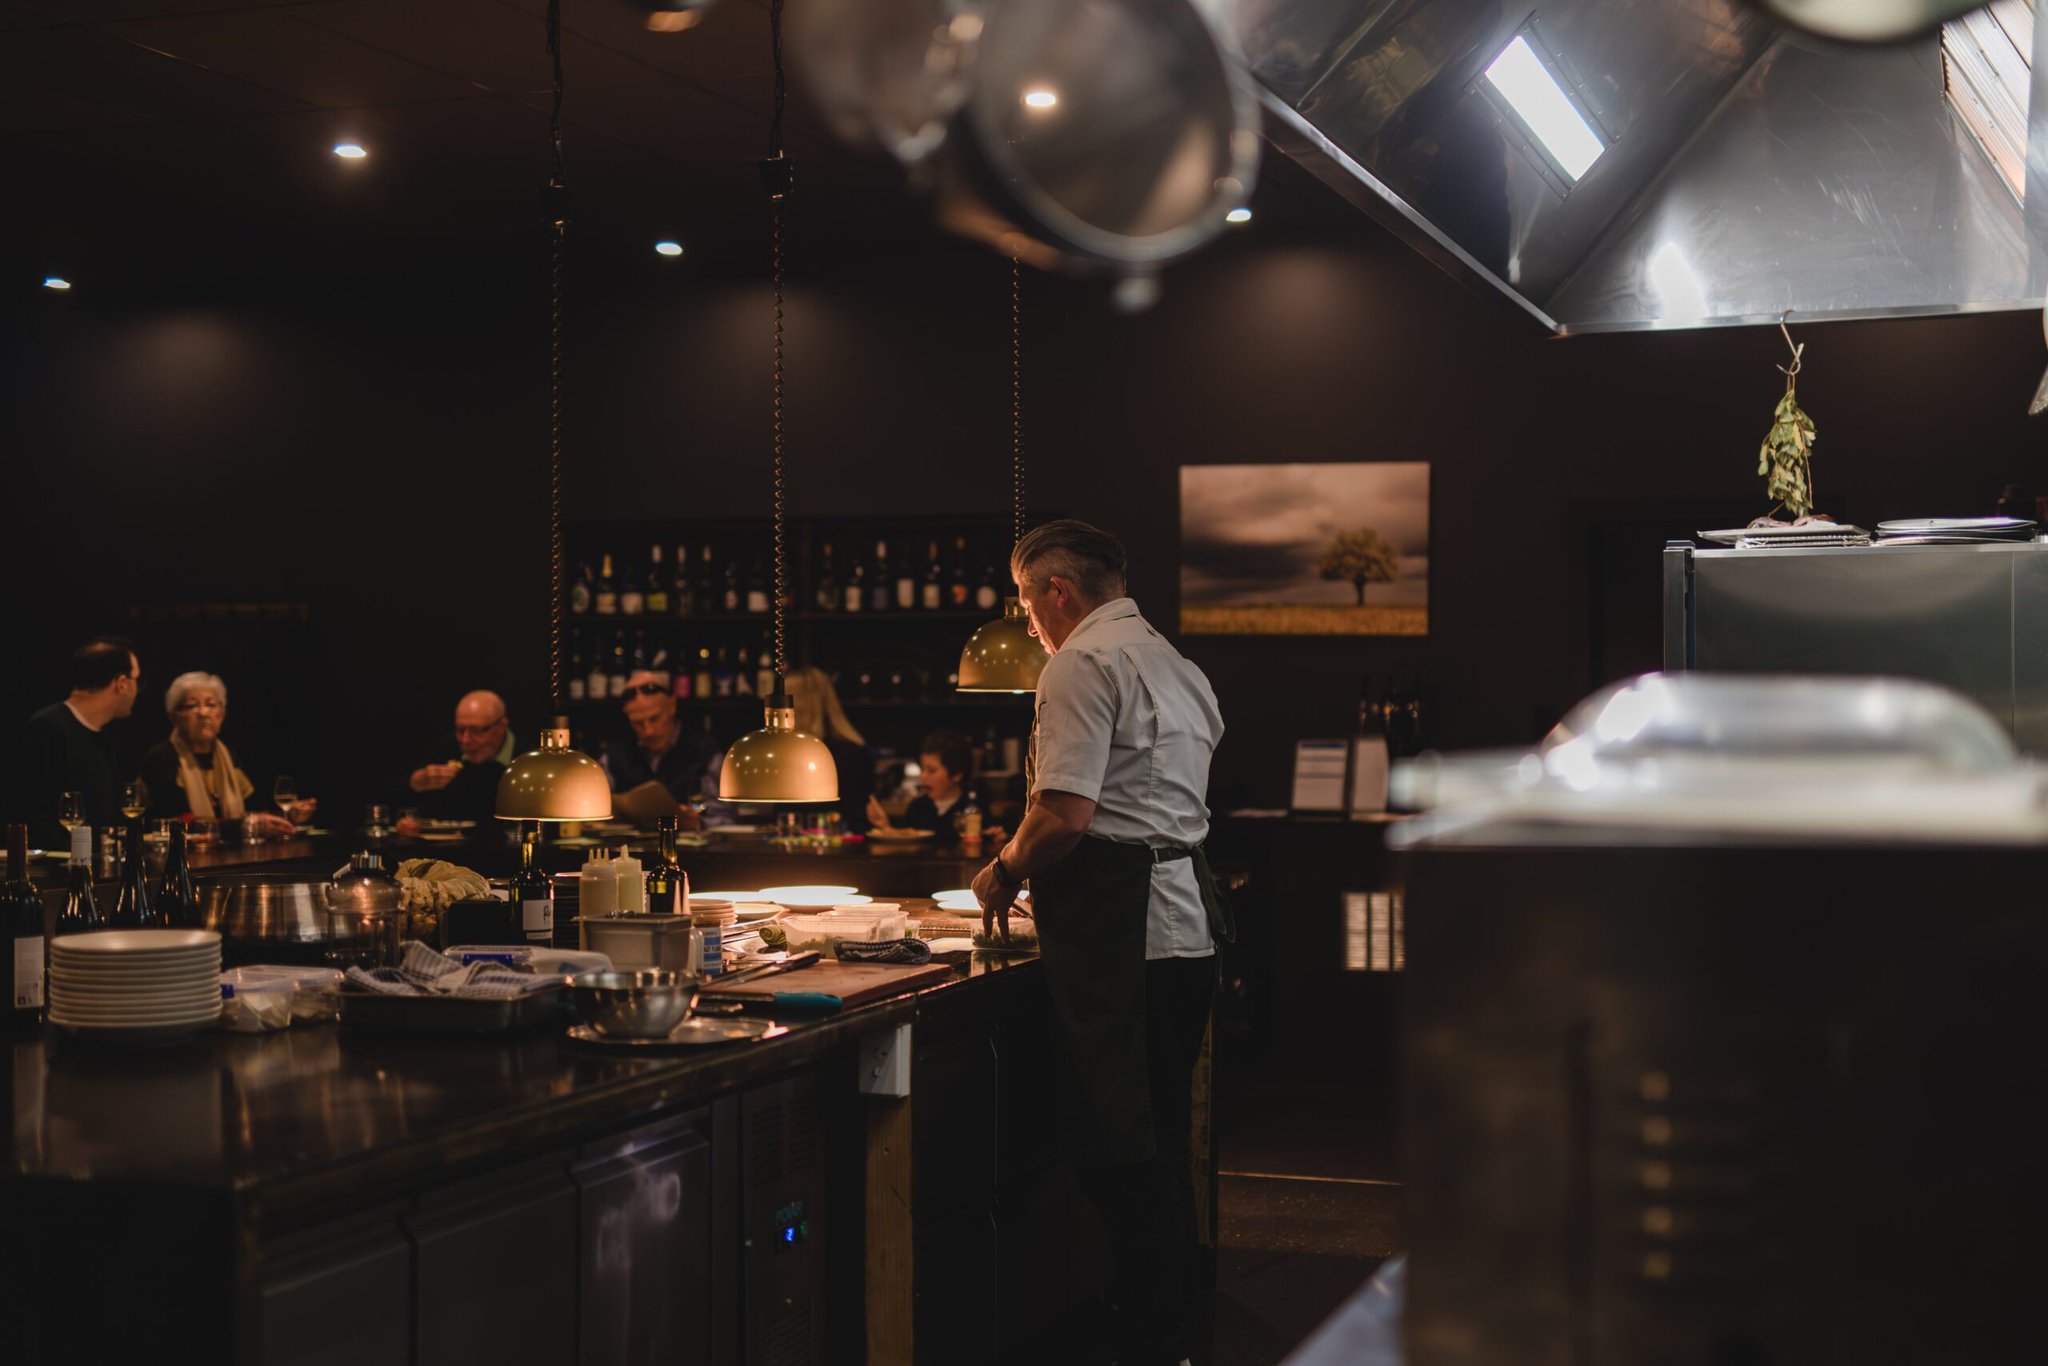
[(684, 678), (856, 594), (757, 590), (684, 603), (960, 593), (632, 594), (668, 886), (733, 596), (703, 680), (826, 596), (81, 910), (22, 907), (533, 891), (615, 682), (606, 600), (177, 904), (906, 583), (579, 591), (656, 600), (579, 684), (987, 595), (598, 685), (707, 584), (132, 908), (880, 589), (934, 594), (722, 675), (764, 674)]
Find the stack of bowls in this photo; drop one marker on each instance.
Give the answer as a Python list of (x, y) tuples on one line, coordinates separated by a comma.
[(139, 985)]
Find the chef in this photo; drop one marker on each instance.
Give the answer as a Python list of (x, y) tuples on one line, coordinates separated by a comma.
[(1126, 909)]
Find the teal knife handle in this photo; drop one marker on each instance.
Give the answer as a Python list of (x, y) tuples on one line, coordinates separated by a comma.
[(807, 1000)]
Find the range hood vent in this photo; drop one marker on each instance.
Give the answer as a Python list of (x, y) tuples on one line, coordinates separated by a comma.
[(1745, 171)]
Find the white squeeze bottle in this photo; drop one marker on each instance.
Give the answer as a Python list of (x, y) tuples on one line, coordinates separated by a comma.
[(631, 877), (597, 886)]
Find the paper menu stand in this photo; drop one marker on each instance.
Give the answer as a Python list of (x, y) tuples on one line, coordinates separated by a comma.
[(1319, 769), (1369, 770)]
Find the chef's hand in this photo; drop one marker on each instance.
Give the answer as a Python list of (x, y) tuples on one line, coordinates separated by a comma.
[(995, 896), (877, 817), (434, 777)]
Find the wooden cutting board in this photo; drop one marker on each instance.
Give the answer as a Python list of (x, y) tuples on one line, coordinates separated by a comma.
[(852, 983)]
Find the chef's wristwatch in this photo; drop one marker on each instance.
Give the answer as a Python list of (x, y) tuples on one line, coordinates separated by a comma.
[(1002, 873)]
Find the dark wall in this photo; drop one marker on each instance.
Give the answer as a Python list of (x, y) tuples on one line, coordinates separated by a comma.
[(367, 438)]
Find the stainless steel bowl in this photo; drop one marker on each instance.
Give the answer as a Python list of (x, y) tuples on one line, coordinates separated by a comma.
[(645, 1004), (270, 910)]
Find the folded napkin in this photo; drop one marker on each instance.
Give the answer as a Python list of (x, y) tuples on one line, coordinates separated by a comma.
[(423, 972), (911, 951)]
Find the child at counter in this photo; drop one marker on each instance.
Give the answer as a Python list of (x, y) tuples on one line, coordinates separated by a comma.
[(946, 804)]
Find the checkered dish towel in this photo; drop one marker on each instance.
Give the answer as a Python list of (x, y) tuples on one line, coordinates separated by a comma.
[(423, 972)]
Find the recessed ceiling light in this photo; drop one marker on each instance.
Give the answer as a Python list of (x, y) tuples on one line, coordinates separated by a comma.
[(1534, 92), (55, 282), (349, 151), (1238, 216), (1040, 99), (669, 248)]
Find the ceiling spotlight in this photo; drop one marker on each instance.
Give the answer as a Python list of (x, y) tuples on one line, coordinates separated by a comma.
[(1238, 216), (55, 282), (669, 248), (1040, 99), (349, 151)]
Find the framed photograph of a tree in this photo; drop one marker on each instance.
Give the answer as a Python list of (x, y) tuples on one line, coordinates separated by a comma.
[(1305, 550)]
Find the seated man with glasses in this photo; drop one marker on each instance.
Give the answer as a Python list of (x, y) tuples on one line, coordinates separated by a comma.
[(659, 753), (460, 782), (63, 748)]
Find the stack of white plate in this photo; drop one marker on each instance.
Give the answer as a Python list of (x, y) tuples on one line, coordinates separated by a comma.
[(137, 984)]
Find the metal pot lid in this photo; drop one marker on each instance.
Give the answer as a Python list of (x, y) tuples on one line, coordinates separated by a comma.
[(1120, 130)]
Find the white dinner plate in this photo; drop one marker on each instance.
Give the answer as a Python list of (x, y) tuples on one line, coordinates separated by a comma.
[(737, 831), (734, 897), (900, 836), (68, 991), (67, 1015), (116, 971), (756, 912), (966, 894), (820, 894), (127, 942)]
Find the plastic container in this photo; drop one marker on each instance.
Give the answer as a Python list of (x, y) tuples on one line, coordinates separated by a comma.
[(638, 941)]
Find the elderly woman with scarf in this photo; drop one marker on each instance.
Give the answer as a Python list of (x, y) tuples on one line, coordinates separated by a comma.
[(192, 773)]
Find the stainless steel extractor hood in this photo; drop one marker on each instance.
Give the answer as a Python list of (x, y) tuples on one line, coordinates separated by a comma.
[(1743, 170)]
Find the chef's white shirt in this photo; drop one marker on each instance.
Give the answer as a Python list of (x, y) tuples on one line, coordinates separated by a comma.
[(1125, 721)]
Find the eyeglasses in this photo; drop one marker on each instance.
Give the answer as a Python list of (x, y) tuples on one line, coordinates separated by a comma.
[(647, 690), (210, 704), (461, 729)]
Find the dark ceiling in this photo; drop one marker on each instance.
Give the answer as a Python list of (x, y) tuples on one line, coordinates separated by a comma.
[(161, 132)]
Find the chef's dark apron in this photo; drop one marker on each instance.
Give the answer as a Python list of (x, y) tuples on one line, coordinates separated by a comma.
[(1091, 911)]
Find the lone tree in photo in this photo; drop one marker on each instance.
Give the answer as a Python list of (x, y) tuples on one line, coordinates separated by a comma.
[(1362, 556)]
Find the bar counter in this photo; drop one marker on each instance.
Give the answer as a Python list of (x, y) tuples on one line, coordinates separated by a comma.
[(320, 1194)]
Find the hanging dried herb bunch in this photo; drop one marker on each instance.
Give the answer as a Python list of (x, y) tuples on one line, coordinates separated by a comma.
[(1786, 459)]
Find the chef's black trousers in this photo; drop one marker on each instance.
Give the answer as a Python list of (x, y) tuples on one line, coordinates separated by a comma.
[(1149, 1206)]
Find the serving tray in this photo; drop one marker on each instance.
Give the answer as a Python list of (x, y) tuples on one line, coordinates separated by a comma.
[(375, 1012)]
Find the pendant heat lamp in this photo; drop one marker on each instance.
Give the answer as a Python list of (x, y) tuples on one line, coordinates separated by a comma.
[(1003, 656), (555, 782), (778, 763)]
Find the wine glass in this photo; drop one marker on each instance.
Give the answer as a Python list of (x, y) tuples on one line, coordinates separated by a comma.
[(134, 799), (71, 811), (285, 792)]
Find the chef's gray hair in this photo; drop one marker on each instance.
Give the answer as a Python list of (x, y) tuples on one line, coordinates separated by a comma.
[(174, 696), (1086, 556)]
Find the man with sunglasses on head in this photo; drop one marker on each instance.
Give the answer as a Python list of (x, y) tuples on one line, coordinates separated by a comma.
[(461, 782), (64, 747), (660, 751)]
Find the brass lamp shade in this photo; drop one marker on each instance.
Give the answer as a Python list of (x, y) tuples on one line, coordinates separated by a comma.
[(1003, 656), (554, 783), (778, 763)]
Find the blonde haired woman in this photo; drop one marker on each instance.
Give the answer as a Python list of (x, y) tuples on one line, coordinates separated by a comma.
[(192, 773)]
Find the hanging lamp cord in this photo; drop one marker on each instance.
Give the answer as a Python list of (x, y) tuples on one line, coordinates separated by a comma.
[(775, 176), (1016, 405), (557, 226)]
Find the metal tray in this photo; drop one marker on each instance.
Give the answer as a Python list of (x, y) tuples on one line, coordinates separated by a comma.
[(375, 1012)]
